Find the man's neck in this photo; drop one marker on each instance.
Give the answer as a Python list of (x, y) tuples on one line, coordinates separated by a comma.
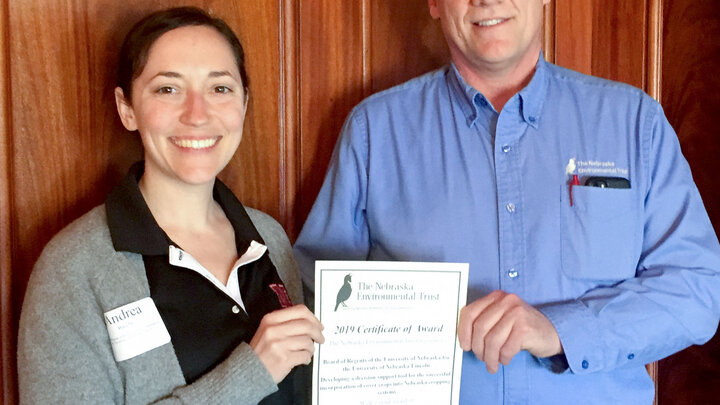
[(499, 83)]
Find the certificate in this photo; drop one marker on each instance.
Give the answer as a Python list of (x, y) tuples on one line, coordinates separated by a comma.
[(390, 332)]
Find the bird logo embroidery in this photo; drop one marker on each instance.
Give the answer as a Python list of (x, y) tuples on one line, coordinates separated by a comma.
[(344, 292)]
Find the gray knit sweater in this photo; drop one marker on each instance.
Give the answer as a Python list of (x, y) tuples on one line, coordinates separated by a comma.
[(64, 352)]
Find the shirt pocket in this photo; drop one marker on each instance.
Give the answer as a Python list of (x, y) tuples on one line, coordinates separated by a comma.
[(598, 233)]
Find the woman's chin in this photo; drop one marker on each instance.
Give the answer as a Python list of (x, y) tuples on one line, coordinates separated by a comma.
[(195, 174), (198, 177)]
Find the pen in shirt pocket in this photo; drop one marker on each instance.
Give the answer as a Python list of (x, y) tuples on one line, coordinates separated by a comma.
[(575, 182)]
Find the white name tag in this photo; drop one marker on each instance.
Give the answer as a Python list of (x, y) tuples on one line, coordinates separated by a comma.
[(135, 328)]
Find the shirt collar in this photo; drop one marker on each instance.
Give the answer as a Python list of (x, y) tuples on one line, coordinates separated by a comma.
[(531, 97), (134, 229), (470, 100)]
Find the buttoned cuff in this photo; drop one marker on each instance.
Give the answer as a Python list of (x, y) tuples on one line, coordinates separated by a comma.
[(580, 338), (557, 364)]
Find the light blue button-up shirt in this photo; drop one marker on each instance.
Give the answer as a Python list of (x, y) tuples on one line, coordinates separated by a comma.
[(429, 171)]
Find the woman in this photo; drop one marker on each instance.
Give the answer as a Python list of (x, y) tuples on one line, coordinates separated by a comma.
[(171, 291)]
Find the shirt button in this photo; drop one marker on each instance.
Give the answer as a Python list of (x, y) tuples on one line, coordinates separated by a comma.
[(512, 273), (631, 356), (506, 148), (585, 364), (510, 207), (236, 309), (532, 119)]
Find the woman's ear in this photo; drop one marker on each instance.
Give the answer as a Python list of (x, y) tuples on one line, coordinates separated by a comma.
[(125, 110), (247, 101)]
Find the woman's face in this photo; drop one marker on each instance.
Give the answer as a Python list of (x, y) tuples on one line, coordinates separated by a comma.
[(188, 105)]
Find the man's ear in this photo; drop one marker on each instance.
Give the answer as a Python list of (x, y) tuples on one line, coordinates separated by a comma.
[(125, 110), (433, 6)]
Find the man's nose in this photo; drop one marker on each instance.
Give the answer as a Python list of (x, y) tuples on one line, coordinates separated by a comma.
[(195, 109)]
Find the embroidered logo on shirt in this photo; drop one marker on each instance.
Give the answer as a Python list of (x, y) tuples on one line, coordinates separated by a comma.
[(594, 168), (282, 294)]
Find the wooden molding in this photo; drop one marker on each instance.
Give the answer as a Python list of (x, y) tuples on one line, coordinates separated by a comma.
[(7, 322), (652, 369), (653, 80), (289, 113), (366, 23), (549, 32)]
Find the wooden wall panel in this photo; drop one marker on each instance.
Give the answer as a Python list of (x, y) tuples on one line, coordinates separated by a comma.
[(691, 98), (332, 70), (573, 34), (404, 42), (606, 38), (57, 162)]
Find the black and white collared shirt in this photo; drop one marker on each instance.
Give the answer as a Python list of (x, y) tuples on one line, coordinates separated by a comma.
[(205, 318)]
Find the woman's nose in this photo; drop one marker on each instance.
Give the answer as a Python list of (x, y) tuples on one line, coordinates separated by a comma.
[(195, 109)]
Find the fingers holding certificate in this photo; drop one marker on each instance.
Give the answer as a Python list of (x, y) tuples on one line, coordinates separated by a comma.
[(285, 339), (390, 332)]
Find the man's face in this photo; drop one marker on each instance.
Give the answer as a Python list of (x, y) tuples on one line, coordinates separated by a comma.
[(490, 34)]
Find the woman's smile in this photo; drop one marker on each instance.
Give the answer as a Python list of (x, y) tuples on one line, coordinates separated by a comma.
[(198, 144)]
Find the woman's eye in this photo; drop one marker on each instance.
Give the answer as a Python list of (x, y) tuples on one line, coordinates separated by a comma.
[(166, 90), (223, 89)]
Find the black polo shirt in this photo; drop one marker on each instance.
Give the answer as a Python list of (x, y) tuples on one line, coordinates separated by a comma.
[(204, 323)]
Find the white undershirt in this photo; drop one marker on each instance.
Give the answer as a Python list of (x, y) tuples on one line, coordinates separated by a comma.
[(181, 258)]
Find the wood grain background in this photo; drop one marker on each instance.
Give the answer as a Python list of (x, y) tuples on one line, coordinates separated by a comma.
[(309, 61), (691, 99)]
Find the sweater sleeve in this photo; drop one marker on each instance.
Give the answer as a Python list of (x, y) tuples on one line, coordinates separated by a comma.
[(58, 356), (240, 379)]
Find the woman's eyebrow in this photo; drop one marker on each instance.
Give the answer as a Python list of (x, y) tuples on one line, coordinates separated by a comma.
[(221, 73), (174, 75), (212, 74)]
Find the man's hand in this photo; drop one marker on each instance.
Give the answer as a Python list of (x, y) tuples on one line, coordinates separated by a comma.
[(497, 326), (285, 339)]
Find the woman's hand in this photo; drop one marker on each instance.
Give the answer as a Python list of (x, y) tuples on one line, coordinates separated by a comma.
[(285, 339)]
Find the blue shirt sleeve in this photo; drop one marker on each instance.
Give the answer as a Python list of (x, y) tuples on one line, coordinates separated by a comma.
[(672, 302)]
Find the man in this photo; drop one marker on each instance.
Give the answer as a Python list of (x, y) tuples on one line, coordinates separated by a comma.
[(590, 251)]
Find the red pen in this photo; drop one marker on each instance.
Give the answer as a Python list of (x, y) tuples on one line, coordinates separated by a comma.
[(575, 182)]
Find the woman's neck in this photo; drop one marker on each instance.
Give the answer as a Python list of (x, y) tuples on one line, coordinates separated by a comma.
[(178, 205), (193, 220)]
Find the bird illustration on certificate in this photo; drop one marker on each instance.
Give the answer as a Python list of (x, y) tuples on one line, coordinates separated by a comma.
[(390, 332)]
